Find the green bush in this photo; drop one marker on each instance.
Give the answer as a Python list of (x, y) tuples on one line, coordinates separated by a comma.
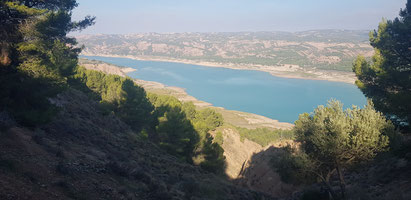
[(183, 131), (219, 139), (26, 98), (214, 158), (265, 136), (333, 139), (36, 55), (117, 94)]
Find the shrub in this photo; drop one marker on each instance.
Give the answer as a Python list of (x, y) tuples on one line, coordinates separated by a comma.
[(333, 139)]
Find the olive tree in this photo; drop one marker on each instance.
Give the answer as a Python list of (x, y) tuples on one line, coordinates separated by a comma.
[(332, 139)]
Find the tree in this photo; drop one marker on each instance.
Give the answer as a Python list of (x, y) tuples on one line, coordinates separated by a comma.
[(134, 109), (117, 94), (190, 109), (183, 131), (176, 134), (39, 27), (333, 140), (36, 56), (214, 159), (210, 117), (386, 80)]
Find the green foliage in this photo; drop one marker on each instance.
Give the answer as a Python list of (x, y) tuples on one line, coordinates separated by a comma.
[(184, 132), (210, 117), (25, 98), (219, 139), (334, 135), (176, 133), (332, 139), (265, 136), (245, 48), (205, 120), (118, 94), (292, 166), (134, 107), (214, 158), (190, 110), (386, 80), (36, 56), (179, 128), (162, 103), (41, 43)]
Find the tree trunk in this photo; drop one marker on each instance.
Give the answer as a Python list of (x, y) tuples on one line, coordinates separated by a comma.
[(342, 182), (4, 55), (328, 185), (330, 189)]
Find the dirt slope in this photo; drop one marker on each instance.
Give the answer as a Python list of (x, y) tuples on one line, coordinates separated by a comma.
[(241, 154), (248, 164), (84, 154), (237, 152)]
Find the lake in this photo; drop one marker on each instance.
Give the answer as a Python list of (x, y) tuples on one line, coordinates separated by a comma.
[(250, 91)]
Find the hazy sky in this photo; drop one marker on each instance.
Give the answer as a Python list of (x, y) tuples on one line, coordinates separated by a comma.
[(133, 16)]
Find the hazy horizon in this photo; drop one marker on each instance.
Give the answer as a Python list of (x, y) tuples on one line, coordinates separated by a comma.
[(182, 16)]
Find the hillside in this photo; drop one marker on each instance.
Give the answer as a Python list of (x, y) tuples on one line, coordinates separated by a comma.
[(309, 54), (323, 49), (236, 118), (84, 154), (76, 129), (239, 148), (90, 149)]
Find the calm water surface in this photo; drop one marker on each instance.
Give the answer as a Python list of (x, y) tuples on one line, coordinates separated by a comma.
[(244, 90)]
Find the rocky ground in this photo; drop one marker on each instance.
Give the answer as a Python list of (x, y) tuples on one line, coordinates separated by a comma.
[(248, 163), (83, 154), (240, 153)]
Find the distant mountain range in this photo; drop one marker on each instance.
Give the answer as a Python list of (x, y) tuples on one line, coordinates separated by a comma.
[(317, 49)]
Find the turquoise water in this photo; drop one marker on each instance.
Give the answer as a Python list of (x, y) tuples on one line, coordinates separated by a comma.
[(244, 90)]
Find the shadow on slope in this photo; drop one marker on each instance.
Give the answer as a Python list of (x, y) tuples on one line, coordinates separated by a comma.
[(258, 174), (83, 154), (385, 178)]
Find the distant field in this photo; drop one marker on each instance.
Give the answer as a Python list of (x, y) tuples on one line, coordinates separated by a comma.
[(322, 49)]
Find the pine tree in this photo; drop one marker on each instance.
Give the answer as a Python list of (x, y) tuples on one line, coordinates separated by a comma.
[(36, 55), (386, 80)]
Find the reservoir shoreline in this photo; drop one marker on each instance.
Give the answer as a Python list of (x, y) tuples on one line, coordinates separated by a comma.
[(288, 71), (251, 91), (233, 117)]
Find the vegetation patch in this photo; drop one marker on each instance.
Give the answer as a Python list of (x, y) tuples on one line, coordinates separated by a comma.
[(265, 136)]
